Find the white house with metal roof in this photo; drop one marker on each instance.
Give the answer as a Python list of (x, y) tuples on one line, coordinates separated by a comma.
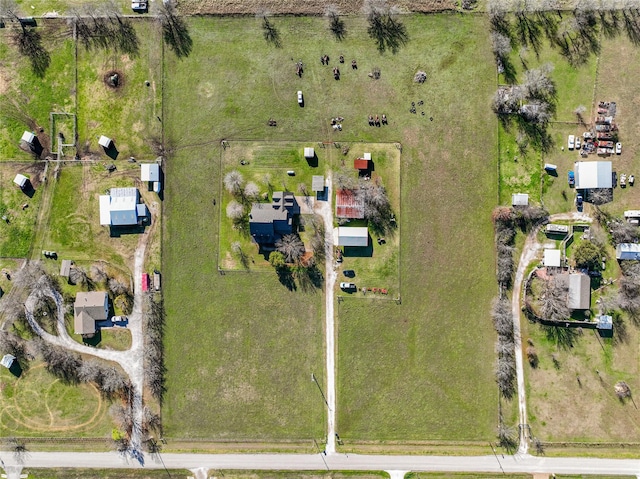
[(119, 207)]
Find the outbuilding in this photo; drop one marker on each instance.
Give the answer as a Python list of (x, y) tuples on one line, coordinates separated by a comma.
[(65, 268), (552, 258), (29, 138), (309, 153), (520, 199), (21, 180), (593, 175), (119, 207), (317, 183), (349, 204), (351, 236), (628, 251), (149, 172), (105, 142), (7, 360)]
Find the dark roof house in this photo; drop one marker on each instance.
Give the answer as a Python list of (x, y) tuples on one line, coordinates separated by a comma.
[(87, 309), (268, 222)]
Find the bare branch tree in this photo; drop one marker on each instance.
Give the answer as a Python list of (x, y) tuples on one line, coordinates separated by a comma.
[(292, 247), (233, 182)]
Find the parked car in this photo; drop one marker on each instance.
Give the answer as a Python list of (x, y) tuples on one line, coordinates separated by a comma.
[(571, 143), (579, 201), (300, 99), (577, 142), (618, 148), (140, 7), (349, 273), (347, 286), (571, 177)]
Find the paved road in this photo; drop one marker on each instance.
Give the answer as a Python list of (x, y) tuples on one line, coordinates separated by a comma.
[(510, 464)]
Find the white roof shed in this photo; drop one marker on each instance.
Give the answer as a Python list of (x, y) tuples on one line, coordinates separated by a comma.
[(309, 152), (628, 251), (104, 141), (20, 180), (519, 199), (552, 258), (593, 174), (28, 137), (317, 183), (352, 236), (7, 360), (150, 172)]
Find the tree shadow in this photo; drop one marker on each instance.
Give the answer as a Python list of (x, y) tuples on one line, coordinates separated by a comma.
[(528, 32), (631, 26), (285, 276), (387, 32), (176, 33), (271, 33), (562, 337), (29, 42), (126, 37), (337, 27)]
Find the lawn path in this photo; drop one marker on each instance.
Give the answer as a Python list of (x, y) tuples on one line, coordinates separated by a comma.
[(131, 361), (529, 253), (325, 210)]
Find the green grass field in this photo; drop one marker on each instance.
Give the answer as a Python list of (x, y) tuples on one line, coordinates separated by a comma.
[(425, 384), (38, 404)]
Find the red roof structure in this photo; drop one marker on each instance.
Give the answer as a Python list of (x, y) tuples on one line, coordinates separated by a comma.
[(145, 282), (349, 205), (361, 164)]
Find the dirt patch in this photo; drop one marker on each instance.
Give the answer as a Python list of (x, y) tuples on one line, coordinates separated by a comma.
[(113, 79), (296, 7)]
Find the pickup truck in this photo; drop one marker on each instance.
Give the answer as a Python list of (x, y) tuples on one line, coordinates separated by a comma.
[(140, 7)]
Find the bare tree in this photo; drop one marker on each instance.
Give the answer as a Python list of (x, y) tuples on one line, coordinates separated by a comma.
[(236, 249), (117, 287), (506, 377), (553, 301), (233, 182), (532, 357), (502, 317), (235, 210), (579, 112), (336, 25), (538, 84), (501, 44), (19, 448), (292, 247), (251, 190), (507, 437), (78, 276), (97, 274)]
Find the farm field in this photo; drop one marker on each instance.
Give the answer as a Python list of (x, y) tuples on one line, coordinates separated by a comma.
[(449, 187)]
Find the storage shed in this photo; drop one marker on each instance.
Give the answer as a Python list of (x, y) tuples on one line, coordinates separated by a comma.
[(351, 236), (65, 268), (628, 251), (520, 199), (28, 137), (579, 292), (552, 258), (20, 180), (105, 141), (149, 172), (361, 164), (309, 153), (7, 360), (119, 207)]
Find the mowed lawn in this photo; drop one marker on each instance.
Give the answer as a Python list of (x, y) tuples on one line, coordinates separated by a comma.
[(240, 347)]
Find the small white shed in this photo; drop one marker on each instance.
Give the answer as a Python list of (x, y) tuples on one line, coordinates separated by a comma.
[(105, 141), (7, 360), (309, 153), (367, 156), (519, 199), (28, 137), (552, 258), (20, 180), (150, 172)]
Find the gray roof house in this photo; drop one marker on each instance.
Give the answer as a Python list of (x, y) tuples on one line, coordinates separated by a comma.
[(268, 222), (89, 308), (579, 292)]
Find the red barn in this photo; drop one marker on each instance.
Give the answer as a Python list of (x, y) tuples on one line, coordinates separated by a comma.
[(349, 204)]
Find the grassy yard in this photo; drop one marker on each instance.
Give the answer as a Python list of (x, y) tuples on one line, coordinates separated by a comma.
[(27, 99), (71, 473), (131, 114), (17, 232), (38, 404), (74, 229), (423, 387)]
